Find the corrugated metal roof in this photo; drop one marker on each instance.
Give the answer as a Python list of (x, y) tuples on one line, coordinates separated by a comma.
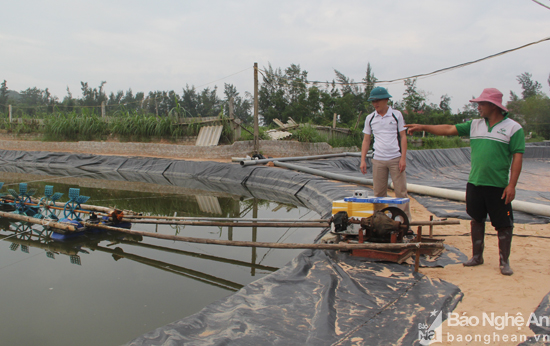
[(209, 136), (274, 134), (209, 204)]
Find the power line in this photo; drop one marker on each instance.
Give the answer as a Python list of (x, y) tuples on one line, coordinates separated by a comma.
[(246, 69), (443, 70), (541, 4)]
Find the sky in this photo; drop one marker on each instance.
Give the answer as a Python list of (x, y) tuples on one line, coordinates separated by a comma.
[(166, 45)]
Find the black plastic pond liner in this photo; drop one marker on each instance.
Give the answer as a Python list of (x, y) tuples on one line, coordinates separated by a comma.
[(319, 298), (451, 255), (543, 310), (449, 169), (536, 341), (313, 192), (444, 168)]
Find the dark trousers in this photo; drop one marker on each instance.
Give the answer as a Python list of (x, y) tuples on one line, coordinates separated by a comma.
[(483, 200)]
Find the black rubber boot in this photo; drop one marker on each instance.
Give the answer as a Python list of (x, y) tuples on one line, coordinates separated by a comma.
[(478, 243), (504, 248)]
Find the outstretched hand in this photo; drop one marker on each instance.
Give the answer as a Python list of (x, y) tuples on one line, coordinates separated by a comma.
[(411, 128)]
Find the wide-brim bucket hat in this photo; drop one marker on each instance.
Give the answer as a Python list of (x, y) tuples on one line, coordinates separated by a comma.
[(493, 96), (379, 93)]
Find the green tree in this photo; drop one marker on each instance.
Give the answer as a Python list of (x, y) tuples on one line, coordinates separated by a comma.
[(115, 99), (469, 111), (34, 99), (4, 95), (92, 98), (370, 83), (413, 100), (445, 103), (536, 113), (68, 101), (241, 106), (271, 96), (530, 87), (190, 101), (533, 113), (209, 104)]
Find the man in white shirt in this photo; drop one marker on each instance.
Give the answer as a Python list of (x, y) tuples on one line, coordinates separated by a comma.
[(387, 126)]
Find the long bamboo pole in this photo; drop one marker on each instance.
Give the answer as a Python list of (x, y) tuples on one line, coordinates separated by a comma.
[(43, 222), (232, 224), (85, 207), (172, 268), (285, 223), (184, 218), (198, 255), (340, 246)]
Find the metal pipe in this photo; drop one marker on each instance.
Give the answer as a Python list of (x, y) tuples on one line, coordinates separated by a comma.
[(299, 158), (526, 207), (329, 175)]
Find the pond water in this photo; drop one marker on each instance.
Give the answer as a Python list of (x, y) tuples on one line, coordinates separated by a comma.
[(107, 289)]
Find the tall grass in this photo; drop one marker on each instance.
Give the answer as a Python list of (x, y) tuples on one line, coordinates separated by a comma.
[(440, 142), (73, 127), (308, 133), (354, 139), (126, 126)]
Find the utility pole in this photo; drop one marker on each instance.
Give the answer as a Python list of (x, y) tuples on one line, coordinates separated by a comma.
[(256, 122)]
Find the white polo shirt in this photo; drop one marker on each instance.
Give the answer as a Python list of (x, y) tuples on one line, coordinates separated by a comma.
[(385, 130)]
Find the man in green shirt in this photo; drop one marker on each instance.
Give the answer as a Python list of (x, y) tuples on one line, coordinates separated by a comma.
[(497, 146)]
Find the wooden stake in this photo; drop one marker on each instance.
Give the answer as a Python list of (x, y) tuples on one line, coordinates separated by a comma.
[(256, 116), (417, 255)]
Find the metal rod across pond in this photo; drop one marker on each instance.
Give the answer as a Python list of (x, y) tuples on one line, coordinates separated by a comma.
[(298, 158)]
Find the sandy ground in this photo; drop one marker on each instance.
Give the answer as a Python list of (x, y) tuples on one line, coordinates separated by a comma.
[(485, 290)]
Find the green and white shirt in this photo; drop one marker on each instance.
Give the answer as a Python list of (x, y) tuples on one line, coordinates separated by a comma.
[(492, 149)]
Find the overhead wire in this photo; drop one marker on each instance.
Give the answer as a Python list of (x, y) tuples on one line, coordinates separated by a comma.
[(425, 75), (540, 3), (231, 75), (421, 75)]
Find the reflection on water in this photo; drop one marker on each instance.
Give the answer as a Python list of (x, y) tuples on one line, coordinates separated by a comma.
[(106, 288)]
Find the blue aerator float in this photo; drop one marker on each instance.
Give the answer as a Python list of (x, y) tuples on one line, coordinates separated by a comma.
[(65, 220)]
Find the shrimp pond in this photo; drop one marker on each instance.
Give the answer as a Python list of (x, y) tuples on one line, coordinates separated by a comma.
[(106, 289)]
